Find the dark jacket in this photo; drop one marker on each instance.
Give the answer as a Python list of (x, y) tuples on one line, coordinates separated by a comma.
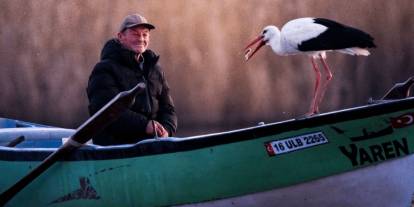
[(119, 71)]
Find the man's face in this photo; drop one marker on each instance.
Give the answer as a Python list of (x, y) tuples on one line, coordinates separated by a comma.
[(135, 39)]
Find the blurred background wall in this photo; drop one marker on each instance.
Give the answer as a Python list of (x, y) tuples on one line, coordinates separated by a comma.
[(48, 49)]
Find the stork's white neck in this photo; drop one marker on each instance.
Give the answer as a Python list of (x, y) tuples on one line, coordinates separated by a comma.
[(275, 42)]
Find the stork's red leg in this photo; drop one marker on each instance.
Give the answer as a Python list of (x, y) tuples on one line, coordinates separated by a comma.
[(328, 79), (314, 104)]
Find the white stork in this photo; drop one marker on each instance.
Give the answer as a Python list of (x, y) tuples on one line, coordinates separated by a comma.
[(313, 37)]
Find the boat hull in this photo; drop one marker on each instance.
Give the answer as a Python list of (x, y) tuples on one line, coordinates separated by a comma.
[(352, 157), (387, 184)]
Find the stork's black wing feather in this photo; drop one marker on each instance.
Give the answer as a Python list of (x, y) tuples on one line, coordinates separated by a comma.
[(337, 36)]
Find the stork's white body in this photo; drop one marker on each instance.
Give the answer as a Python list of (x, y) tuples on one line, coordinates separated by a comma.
[(286, 41)]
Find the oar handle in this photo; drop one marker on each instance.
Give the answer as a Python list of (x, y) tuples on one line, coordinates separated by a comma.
[(15, 141), (107, 114)]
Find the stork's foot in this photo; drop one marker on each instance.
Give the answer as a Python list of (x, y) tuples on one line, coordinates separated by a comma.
[(307, 115), (314, 109), (304, 116), (311, 113)]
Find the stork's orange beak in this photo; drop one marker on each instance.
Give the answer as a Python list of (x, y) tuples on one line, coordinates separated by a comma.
[(248, 52)]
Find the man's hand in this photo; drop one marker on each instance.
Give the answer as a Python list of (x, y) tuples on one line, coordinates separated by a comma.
[(161, 132)]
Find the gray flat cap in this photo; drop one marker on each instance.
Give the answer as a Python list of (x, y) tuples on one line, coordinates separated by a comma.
[(134, 20)]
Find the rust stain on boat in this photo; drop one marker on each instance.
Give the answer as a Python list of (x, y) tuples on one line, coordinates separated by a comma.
[(86, 191)]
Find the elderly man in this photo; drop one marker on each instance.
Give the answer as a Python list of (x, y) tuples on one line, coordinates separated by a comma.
[(126, 61)]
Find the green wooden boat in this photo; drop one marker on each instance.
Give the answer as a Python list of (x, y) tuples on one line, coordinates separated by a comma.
[(355, 157)]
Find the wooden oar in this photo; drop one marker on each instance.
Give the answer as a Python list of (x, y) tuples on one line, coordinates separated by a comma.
[(109, 113)]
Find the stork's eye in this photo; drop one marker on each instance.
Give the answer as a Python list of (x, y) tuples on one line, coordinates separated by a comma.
[(264, 31)]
